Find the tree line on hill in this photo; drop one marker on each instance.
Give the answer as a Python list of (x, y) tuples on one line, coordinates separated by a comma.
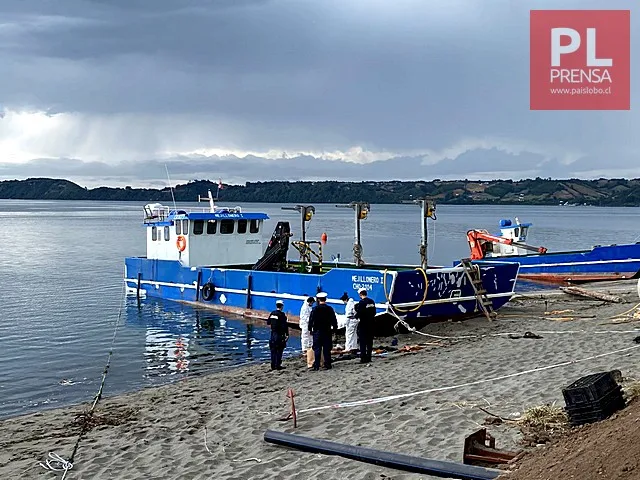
[(538, 191)]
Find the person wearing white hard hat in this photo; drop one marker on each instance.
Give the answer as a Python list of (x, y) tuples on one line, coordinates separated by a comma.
[(350, 332), (279, 335), (323, 320)]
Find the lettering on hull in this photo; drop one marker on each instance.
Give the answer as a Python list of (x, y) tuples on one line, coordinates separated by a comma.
[(365, 281)]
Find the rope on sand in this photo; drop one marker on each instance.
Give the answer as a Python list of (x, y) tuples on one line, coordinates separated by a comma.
[(505, 334), (205, 440), (57, 463), (252, 459), (462, 385), (413, 329)]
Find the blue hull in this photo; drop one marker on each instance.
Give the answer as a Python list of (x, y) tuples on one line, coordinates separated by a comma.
[(609, 262), (396, 292)]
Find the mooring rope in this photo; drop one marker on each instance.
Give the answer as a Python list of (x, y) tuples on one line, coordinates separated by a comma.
[(411, 329), (56, 462), (388, 398)]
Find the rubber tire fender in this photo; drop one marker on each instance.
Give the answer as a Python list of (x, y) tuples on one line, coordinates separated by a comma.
[(208, 291)]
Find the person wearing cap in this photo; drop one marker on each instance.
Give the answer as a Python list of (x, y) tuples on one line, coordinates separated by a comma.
[(350, 332), (321, 323), (279, 335), (366, 313), (306, 343)]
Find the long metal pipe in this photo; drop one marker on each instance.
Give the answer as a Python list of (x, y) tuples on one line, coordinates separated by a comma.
[(399, 461)]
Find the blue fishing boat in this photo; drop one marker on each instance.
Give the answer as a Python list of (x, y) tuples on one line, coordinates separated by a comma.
[(215, 258), (602, 262)]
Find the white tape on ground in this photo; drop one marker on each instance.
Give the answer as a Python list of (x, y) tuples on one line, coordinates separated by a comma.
[(468, 384)]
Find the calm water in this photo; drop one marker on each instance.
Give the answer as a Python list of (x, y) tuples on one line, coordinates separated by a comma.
[(61, 289)]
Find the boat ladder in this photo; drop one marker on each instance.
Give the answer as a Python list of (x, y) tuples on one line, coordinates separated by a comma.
[(472, 271)]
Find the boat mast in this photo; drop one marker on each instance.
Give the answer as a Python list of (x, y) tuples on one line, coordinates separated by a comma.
[(306, 213), (427, 210), (361, 210), (209, 198), (212, 205)]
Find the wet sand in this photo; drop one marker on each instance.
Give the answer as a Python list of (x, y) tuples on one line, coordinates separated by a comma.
[(214, 425)]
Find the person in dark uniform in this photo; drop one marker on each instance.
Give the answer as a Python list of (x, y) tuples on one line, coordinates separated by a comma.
[(365, 312), (321, 323), (279, 335)]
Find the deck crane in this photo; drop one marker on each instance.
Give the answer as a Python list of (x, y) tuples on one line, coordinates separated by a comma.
[(481, 243)]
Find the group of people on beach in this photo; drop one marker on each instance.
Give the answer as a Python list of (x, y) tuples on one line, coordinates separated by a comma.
[(318, 323)]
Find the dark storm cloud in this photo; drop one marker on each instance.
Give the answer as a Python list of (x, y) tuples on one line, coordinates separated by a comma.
[(323, 74)]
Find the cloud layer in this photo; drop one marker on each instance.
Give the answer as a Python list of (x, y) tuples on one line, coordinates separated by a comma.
[(106, 91)]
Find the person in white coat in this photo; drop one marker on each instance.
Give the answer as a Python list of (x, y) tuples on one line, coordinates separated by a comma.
[(306, 340), (351, 333)]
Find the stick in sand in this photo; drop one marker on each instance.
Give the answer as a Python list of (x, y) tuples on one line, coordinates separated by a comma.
[(605, 297)]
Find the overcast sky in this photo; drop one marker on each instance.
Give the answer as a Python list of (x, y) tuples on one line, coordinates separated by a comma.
[(106, 92)]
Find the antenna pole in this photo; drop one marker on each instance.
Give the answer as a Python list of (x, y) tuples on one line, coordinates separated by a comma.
[(170, 188), (427, 211), (212, 205), (423, 240), (357, 247), (306, 213), (304, 227), (361, 210)]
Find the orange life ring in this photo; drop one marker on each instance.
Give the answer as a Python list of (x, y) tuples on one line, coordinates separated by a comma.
[(181, 243)]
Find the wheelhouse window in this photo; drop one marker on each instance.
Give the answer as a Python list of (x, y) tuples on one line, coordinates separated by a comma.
[(198, 227), (212, 227), (226, 226), (254, 227), (166, 234), (178, 227), (185, 227), (242, 226), (154, 234)]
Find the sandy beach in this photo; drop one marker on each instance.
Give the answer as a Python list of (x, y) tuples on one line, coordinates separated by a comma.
[(213, 426)]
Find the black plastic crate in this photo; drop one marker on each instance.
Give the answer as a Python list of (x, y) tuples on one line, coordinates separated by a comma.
[(597, 411), (584, 419), (614, 397), (576, 419), (590, 388), (613, 405)]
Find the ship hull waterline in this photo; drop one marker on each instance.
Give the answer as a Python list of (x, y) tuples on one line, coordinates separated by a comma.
[(252, 294)]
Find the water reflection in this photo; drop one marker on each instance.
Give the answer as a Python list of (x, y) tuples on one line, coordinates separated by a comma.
[(181, 340)]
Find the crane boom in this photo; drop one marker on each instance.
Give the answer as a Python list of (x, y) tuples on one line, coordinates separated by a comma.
[(479, 238)]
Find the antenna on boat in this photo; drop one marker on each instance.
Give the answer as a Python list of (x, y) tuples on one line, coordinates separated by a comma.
[(427, 210), (170, 188), (361, 210), (209, 198)]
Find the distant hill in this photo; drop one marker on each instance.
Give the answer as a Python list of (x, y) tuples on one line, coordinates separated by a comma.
[(602, 192)]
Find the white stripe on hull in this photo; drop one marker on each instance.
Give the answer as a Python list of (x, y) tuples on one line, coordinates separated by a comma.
[(592, 262), (290, 296), (451, 300)]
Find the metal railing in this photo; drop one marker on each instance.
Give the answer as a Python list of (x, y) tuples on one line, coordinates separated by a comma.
[(161, 212)]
